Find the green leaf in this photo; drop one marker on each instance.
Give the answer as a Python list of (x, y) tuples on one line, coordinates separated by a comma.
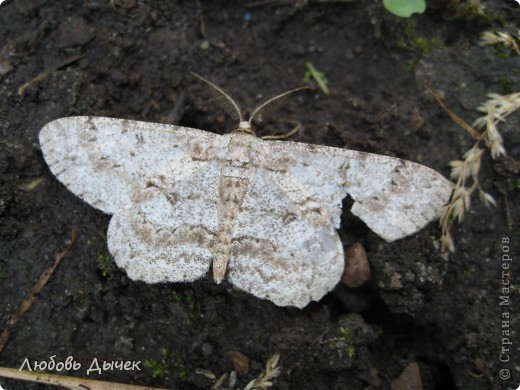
[(405, 8), (33, 184), (313, 74)]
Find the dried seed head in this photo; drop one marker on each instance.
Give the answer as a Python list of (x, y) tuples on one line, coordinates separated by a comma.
[(457, 169), (491, 38), (488, 38), (486, 198)]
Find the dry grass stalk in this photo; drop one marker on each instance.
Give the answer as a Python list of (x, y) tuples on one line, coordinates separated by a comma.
[(68, 382), (262, 382), (465, 172), (35, 291)]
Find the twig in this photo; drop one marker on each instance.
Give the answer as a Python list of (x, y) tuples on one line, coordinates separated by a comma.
[(469, 129), (43, 75), (175, 115), (151, 104), (509, 218), (68, 381), (37, 288), (218, 44)]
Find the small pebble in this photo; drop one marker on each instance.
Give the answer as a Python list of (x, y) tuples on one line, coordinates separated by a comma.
[(204, 45), (5, 67), (357, 269), (410, 379)]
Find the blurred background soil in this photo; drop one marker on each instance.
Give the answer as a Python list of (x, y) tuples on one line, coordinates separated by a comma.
[(422, 320)]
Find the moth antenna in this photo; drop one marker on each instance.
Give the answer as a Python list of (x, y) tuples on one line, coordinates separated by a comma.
[(224, 100), (271, 104)]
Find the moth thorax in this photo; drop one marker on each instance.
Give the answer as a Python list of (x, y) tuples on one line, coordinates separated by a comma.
[(244, 126)]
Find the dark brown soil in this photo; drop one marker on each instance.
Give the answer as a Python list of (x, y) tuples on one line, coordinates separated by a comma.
[(135, 59)]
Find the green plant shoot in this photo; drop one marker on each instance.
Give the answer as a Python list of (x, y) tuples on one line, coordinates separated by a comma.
[(313, 74)]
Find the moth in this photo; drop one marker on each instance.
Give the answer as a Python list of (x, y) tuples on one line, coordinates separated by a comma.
[(261, 213)]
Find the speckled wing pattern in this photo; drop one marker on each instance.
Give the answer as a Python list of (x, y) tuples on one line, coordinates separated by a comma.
[(143, 173), (283, 250), (263, 213), (105, 160), (394, 197)]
